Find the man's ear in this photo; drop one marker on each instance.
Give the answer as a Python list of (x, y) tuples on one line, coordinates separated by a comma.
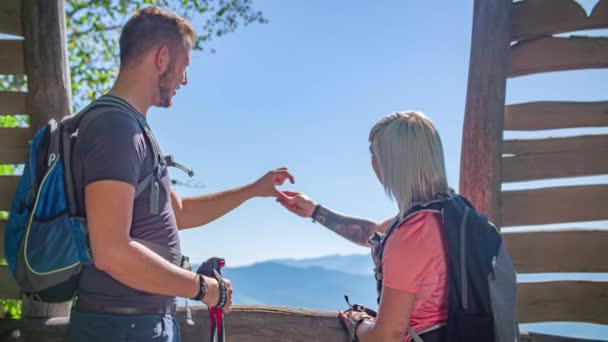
[(161, 59)]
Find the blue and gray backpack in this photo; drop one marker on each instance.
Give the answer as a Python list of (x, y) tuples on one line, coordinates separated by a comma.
[(46, 241)]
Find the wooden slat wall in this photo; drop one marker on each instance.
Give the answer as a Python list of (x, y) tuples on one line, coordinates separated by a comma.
[(10, 17), (8, 287), (8, 185), (531, 116), (556, 54), (575, 250), (535, 18), (13, 102), (11, 57), (554, 205), (560, 301), (538, 166)]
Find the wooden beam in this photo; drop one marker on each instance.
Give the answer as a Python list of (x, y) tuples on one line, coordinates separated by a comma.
[(554, 205), (46, 61), (580, 250), (484, 110), (11, 57), (10, 17), (560, 301), (13, 156), (2, 229), (530, 116), (280, 324), (244, 324), (536, 18), (12, 102), (536, 337), (14, 136), (536, 166), (598, 142), (14, 145), (8, 287), (8, 185), (599, 14), (558, 54)]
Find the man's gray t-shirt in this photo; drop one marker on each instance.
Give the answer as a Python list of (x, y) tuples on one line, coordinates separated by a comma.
[(111, 146)]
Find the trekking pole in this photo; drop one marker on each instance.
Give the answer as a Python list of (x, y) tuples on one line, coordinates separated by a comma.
[(213, 268)]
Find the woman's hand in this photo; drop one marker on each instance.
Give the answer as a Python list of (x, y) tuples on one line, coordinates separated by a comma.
[(298, 203)]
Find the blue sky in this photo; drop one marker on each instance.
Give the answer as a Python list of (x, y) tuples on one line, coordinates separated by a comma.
[(303, 91)]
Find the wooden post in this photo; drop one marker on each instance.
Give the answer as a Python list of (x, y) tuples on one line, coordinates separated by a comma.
[(49, 90), (480, 173), (46, 61)]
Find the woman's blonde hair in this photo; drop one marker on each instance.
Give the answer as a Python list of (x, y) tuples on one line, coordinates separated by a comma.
[(409, 156)]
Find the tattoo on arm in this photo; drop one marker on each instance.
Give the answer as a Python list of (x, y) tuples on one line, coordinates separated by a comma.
[(354, 229)]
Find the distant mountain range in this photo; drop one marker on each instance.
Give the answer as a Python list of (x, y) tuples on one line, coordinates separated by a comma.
[(318, 283)]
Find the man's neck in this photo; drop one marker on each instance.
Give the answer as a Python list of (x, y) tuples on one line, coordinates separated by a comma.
[(134, 94)]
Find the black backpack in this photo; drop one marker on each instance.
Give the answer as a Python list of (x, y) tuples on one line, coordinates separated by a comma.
[(482, 293)]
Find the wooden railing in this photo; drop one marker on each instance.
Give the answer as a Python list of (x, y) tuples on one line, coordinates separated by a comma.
[(244, 324)]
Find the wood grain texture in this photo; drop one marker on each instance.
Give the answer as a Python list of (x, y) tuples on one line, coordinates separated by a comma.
[(596, 143), (2, 229), (536, 18), (575, 250), (46, 61), (537, 166), (8, 185), (8, 287), (12, 102), (11, 17), (12, 60), (557, 54), (14, 144), (480, 172), (561, 301), (554, 205), (530, 116), (245, 324)]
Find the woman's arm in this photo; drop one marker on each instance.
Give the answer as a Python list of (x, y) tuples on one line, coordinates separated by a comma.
[(393, 317), (357, 230)]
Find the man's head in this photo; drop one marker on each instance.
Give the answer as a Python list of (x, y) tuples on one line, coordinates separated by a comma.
[(157, 43)]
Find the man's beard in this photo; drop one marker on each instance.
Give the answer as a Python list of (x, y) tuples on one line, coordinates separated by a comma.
[(164, 87)]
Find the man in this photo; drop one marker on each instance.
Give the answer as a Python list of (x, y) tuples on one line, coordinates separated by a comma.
[(129, 292)]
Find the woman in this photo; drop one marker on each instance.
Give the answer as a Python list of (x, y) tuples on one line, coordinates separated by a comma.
[(407, 157)]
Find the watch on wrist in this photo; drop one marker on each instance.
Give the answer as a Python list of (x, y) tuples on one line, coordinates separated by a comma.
[(202, 289)]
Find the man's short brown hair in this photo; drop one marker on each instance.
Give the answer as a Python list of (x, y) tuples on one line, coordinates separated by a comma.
[(151, 27)]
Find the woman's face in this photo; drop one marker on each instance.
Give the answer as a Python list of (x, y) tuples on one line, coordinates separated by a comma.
[(375, 163)]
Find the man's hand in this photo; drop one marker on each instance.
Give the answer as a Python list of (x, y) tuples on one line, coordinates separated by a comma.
[(266, 186), (298, 203), (212, 296)]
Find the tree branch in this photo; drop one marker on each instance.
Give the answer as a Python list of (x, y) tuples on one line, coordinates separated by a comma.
[(91, 29)]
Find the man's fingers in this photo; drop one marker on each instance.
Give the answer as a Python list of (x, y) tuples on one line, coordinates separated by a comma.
[(284, 174), (291, 193)]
